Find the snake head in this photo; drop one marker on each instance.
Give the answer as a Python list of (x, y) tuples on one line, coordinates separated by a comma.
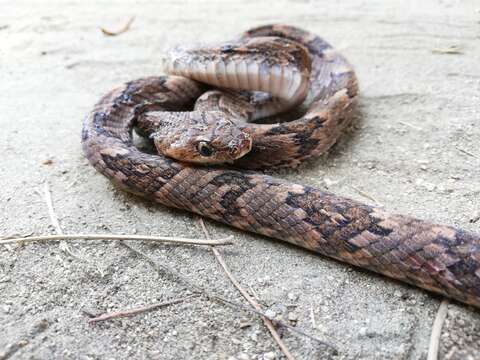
[(202, 137)]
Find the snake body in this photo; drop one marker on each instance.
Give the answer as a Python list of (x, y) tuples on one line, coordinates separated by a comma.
[(438, 258)]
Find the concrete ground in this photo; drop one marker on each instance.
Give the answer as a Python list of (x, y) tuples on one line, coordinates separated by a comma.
[(415, 150)]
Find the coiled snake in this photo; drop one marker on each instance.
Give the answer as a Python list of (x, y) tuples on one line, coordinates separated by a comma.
[(287, 62)]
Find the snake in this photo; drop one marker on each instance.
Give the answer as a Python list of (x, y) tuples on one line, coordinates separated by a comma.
[(204, 119)]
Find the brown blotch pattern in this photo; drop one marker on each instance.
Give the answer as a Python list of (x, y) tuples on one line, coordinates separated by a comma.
[(438, 258)]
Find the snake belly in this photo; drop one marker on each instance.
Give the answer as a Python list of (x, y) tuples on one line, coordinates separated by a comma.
[(438, 258)]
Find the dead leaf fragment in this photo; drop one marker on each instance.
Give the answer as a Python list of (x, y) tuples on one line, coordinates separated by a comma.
[(451, 50), (125, 28)]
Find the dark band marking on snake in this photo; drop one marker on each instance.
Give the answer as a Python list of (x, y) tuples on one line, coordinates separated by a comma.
[(438, 258)]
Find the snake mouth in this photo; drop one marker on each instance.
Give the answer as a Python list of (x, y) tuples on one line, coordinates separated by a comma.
[(241, 145), (245, 148)]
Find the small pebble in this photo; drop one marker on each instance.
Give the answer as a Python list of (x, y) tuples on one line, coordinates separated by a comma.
[(475, 217), (292, 317), (244, 324), (270, 313), (329, 182), (362, 331), (292, 296), (22, 343), (269, 356), (264, 280)]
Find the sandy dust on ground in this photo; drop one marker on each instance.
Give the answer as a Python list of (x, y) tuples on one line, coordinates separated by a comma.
[(414, 150)]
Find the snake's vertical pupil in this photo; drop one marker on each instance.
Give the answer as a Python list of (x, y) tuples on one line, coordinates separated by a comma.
[(204, 148)]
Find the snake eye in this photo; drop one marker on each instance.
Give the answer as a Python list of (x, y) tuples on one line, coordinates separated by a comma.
[(204, 149)]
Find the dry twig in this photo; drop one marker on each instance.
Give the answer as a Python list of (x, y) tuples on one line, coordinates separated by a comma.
[(410, 125), (125, 28), (437, 330), (365, 195), (163, 239), (450, 50), (252, 291), (54, 220), (312, 317), (162, 268), (467, 152), (247, 296), (132, 312)]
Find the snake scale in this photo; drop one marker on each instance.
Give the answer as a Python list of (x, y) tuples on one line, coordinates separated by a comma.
[(442, 259)]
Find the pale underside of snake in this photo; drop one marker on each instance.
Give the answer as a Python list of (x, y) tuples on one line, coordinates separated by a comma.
[(287, 62)]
